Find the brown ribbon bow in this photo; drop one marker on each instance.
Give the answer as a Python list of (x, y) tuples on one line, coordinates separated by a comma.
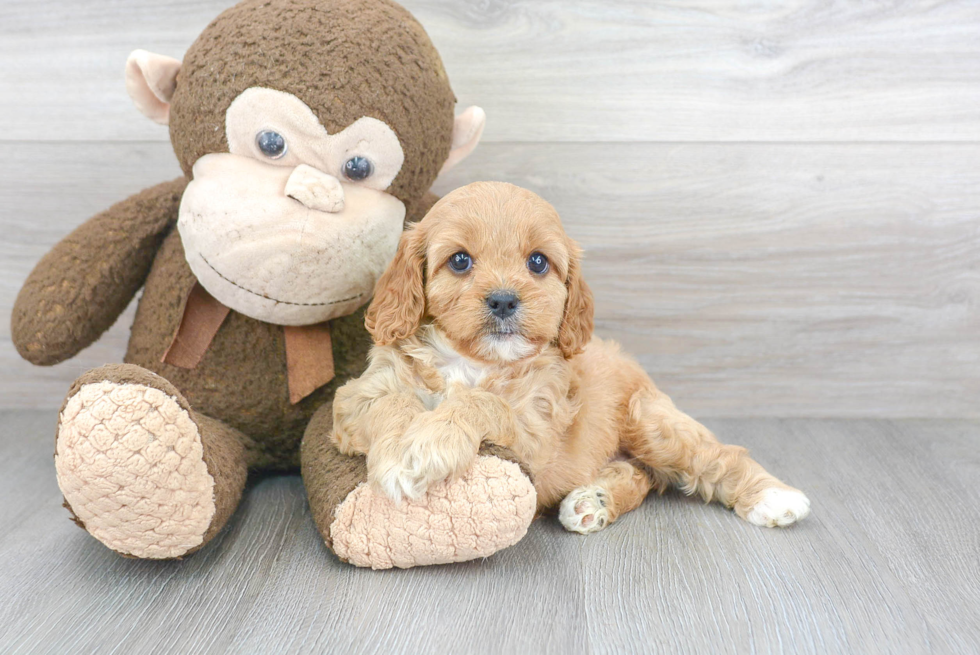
[(309, 351)]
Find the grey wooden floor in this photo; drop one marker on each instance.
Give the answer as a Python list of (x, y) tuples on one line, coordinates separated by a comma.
[(889, 562)]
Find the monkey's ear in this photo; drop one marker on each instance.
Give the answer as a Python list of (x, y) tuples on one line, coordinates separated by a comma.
[(467, 130), (150, 81)]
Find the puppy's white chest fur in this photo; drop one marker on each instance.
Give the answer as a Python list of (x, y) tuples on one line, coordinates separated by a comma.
[(452, 366), (461, 369)]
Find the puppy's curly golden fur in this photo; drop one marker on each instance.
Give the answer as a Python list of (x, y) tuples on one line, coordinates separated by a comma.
[(483, 332)]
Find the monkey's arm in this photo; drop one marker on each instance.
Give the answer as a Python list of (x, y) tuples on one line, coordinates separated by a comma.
[(77, 291)]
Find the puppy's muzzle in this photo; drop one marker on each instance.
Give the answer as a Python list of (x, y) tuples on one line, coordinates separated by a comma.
[(503, 304)]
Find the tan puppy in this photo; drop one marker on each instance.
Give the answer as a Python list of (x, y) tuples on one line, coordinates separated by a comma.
[(483, 331)]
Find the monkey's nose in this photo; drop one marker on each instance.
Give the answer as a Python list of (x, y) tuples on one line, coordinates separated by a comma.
[(503, 303), (315, 189)]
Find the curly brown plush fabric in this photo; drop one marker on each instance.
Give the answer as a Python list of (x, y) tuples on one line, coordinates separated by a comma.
[(329, 476), (78, 290), (242, 378), (384, 67)]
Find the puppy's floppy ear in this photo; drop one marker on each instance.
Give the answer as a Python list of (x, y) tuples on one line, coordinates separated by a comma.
[(576, 325), (399, 296)]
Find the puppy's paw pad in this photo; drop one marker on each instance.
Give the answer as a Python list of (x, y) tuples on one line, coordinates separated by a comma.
[(584, 510), (779, 508)]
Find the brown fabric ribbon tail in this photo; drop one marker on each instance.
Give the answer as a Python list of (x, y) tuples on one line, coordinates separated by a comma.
[(203, 316), (309, 350), (309, 359)]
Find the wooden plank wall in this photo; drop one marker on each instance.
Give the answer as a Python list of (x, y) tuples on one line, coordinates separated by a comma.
[(780, 200)]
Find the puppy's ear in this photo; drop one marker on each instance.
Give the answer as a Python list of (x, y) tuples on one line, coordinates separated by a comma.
[(399, 296), (576, 325)]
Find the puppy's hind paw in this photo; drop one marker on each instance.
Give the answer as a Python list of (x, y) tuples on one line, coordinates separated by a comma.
[(585, 510), (779, 508)]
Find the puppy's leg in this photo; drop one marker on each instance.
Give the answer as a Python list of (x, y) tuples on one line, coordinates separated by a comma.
[(686, 453), (620, 487), (443, 443), (370, 416)]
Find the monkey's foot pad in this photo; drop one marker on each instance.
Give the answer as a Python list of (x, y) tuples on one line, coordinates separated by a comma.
[(131, 467), (487, 509)]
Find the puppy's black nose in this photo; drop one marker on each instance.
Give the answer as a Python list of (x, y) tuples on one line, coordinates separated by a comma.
[(503, 303)]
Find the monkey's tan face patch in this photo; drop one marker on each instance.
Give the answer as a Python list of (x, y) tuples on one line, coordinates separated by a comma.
[(277, 258), (293, 225)]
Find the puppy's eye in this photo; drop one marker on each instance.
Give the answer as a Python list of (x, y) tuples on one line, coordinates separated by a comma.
[(271, 144), (461, 262), (537, 263), (358, 168)]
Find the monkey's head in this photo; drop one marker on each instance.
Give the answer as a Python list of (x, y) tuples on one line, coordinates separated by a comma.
[(307, 128)]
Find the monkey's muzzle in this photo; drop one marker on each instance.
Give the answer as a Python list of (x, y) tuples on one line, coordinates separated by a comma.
[(285, 245)]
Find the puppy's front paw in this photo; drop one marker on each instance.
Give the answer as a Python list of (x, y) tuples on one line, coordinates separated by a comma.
[(432, 450), (779, 507), (412, 474), (585, 510)]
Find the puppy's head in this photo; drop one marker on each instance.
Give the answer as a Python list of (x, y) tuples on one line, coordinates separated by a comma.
[(491, 266)]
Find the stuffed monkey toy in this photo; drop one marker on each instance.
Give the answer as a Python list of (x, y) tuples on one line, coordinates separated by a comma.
[(309, 132)]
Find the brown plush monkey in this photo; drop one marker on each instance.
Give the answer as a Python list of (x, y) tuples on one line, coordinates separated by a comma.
[(309, 131)]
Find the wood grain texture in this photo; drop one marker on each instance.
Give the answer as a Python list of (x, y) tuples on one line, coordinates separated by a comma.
[(567, 70), (749, 279), (887, 563)]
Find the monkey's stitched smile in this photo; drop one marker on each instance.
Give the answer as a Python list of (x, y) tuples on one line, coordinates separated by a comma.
[(268, 257), (276, 300)]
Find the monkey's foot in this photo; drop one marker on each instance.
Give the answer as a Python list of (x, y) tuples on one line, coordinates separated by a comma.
[(487, 509), (131, 466)]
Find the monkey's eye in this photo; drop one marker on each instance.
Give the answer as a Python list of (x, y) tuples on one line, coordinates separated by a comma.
[(537, 263), (461, 262), (271, 144), (358, 168)]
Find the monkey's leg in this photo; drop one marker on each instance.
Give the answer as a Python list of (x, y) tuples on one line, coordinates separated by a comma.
[(619, 487), (686, 453), (487, 509), (140, 470)]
